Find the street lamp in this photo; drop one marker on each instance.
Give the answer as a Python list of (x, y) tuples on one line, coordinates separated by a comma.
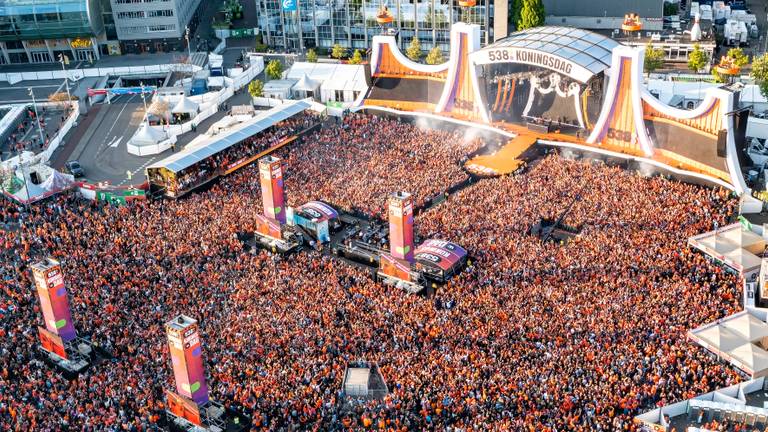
[(65, 61), (189, 47), (146, 114), (34, 104)]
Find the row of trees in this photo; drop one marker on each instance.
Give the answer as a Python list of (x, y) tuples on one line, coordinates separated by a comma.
[(697, 59), (337, 52), (414, 52), (524, 14)]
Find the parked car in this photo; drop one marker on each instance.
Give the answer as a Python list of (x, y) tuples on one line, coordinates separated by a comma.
[(73, 167)]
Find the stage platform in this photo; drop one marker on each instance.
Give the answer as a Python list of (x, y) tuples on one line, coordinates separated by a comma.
[(504, 161)]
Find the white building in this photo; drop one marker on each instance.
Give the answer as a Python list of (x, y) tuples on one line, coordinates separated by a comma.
[(340, 83), (152, 25)]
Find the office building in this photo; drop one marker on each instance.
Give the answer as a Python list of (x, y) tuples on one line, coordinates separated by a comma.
[(39, 31), (352, 23), (154, 25)]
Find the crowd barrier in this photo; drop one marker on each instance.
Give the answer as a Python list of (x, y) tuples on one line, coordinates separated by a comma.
[(152, 149), (10, 120), (78, 74), (267, 102), (211, 104), (54, 144)]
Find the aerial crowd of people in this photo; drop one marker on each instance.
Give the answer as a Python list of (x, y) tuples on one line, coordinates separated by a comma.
[(534, 336), (370, 157), (26, 137)]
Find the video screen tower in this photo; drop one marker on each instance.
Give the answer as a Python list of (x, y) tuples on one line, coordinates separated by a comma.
[(58, 338), (54, 304), (401, 226), (187, 358), (190, 408), (271, 175)]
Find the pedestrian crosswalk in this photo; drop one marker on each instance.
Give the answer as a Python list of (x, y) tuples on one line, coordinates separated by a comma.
[(199, 59)]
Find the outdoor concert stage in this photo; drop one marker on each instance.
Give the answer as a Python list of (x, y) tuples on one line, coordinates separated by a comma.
[(505, 161), (564, 87)]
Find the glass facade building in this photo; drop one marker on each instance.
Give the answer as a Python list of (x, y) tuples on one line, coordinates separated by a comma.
[(42, 31), (352, 23), (49, 19)]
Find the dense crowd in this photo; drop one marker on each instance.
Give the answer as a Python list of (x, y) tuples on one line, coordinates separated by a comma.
[(369, 157), (26, 136), (532, 336)]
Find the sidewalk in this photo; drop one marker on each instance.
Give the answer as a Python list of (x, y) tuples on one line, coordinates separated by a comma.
[(74, 138), (106, 61)]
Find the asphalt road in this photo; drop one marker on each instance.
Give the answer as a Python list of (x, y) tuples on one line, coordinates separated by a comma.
[(100, 143), (102, 149)]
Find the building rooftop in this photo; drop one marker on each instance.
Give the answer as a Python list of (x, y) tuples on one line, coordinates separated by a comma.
[(668, 35), (585, 48)]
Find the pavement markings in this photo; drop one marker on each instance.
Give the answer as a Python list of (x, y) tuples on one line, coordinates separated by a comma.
[(104, 145), (139, 169), (115, 142)]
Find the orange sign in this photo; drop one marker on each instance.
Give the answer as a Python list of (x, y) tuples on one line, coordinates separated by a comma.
[(183, 407), (51, 342), (81, 43)]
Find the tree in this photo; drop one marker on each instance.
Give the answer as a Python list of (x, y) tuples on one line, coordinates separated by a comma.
[(739, 58), (357, 58), (697, 59), (514, 12), (435, 56), (414, 50), (671, 8), (274, 69), (531, 15), (717, 77), (338, 52), (256, 89), (311, 56), (654, 58), (760, 73)]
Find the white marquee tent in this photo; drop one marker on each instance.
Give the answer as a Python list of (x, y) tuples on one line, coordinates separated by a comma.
[(147, 135), (748, 326), (753, 359), (738, 339), (339, 82), (720, 338), (185, 106), (306, 87)]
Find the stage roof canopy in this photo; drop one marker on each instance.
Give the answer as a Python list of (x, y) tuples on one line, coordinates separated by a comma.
[(212, 145), (585, 48)]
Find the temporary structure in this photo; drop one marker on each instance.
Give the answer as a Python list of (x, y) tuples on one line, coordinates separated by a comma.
[(57, 181), (748, 326), (719, 338), (338, 82), (751, 359), (185, 106), (147, 135), (306, 87)]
